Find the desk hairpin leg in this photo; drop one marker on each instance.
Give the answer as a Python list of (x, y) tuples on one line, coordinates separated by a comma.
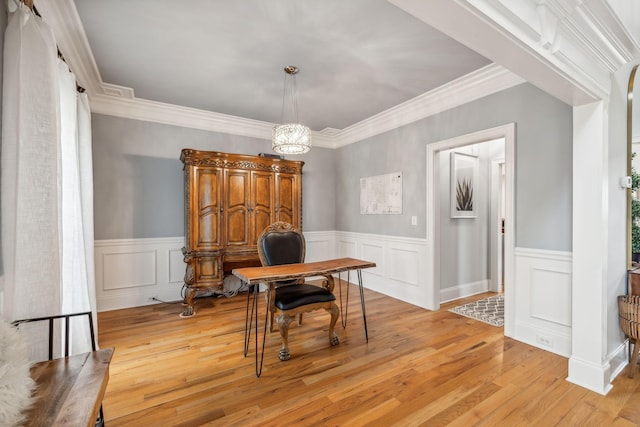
[(343, 317), (249, 322), (364, 311), (346, 309)]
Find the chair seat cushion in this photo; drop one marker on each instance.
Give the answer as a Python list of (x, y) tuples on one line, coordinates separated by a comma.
[(292, 296)]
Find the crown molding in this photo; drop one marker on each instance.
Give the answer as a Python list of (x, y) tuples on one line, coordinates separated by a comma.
[(477, 84), (485, 81), (159, 112)]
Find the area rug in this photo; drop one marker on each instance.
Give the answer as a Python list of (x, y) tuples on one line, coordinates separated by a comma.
[(489, 310)]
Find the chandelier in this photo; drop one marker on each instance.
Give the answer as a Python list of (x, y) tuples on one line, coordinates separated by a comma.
[(293, 137)]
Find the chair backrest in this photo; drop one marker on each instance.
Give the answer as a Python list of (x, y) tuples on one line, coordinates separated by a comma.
[(280, 243)]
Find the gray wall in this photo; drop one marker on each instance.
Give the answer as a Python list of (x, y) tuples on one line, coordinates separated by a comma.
[(543, 166), (138, 181), (138, 175)]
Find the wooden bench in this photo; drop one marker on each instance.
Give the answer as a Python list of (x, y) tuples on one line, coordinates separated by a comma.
[(69, 389)]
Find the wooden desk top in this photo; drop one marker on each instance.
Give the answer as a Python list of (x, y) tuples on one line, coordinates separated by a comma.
[(254, 275), (69, 389)]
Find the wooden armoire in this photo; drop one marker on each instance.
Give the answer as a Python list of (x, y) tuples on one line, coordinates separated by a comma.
[(228, 200)]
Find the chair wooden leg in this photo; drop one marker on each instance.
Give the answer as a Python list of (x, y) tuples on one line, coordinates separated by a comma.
[(634, 358), (271, 322), (334, 311), (283, 324)]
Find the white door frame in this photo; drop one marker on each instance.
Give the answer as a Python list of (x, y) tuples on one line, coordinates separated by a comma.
[(495, 237), (433, 237)]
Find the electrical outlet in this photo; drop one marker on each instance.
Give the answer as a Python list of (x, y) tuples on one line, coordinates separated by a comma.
[(414, 220), (546, 341)]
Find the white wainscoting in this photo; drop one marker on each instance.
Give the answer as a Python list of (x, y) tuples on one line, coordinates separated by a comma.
[(400, 264), (543, 299), (320, 245), (129, 272)]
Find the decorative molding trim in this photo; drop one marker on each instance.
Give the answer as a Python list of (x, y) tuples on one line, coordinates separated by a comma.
[(129, 272), (156, 241), (117, 91), (546, 254), (320, 245), (399, 273), (543, 299), (400, 268), (490, 79), (585, 40)]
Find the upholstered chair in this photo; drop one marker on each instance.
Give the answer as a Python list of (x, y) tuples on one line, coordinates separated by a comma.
[(280, 244)]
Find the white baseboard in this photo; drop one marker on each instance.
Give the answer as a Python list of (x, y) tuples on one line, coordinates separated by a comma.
[(464, 290), (592, 376)]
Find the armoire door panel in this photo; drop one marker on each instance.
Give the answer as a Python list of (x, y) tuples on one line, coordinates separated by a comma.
[(287, 201), (261, 220), (237, 204), (286, 217), (237, 189), (261, 203), (237, 228), (207, 208)]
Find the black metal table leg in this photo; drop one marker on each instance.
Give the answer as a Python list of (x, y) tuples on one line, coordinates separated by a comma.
[(364, 311), (344, 314), (343, 317), (249, 319)]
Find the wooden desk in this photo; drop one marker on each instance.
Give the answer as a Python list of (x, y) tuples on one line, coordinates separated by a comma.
[(253, 276), (69, 389), (274, 273)]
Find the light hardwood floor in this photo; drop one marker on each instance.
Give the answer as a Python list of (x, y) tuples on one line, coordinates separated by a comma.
[(419, 368)]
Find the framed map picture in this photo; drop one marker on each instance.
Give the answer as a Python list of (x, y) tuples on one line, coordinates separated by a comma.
[(381, 194), (464, 182)]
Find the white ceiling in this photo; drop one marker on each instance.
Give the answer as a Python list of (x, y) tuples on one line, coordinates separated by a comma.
[(357, 57)]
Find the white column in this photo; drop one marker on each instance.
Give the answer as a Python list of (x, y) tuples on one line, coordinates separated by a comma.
[(587, 365)]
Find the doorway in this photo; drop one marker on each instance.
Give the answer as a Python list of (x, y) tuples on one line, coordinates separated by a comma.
[(507, 132)]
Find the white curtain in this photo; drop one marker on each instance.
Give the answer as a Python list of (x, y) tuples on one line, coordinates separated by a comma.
[(47, 230)]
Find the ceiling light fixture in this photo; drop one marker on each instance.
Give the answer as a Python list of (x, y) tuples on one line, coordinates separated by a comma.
[(292, 137)]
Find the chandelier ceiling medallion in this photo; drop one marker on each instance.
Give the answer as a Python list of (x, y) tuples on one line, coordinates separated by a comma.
[(290, 137)]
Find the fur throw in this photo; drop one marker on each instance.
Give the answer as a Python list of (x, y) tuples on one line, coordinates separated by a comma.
[(15, 380)]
